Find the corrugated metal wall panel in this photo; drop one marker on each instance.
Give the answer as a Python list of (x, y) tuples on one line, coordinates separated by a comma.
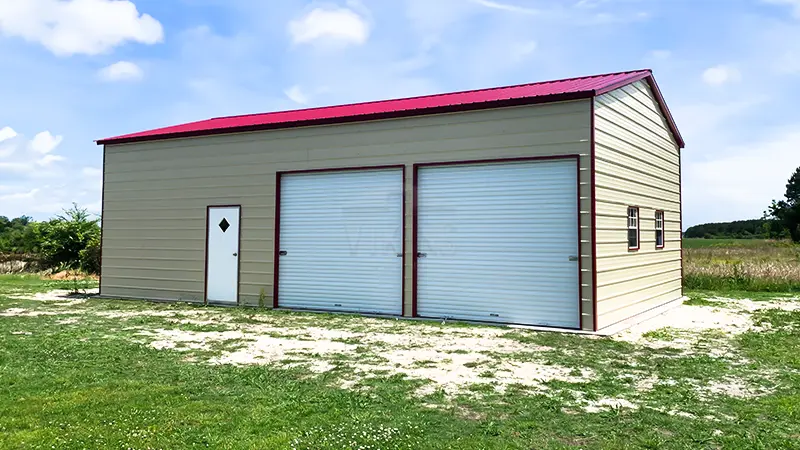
[(497, 241), (619, 309), (342, 232), (160, 169), (638, 165)]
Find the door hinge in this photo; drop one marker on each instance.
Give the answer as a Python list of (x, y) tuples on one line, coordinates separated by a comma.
[(573, 258), (283, 253)]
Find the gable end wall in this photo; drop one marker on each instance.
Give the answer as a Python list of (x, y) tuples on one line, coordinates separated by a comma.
[(637, 163)]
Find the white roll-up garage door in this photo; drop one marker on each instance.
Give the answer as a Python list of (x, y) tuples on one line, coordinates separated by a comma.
[(341, 241), (499, 242)]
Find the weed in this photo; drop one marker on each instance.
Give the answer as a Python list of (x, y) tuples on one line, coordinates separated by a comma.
[(758, 266), (662, 334), (698, 300), (262, 299)]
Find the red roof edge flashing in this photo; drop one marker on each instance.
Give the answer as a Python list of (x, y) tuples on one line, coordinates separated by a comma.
[(518, 95), (665, 111), (351, 119)]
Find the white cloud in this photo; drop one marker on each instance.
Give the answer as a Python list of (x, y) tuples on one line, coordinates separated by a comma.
[(705, 120), (794, 4), (47, 200), (721, 74), (659, 55), (47, 160), (522, 50), (44, 142), (506, 7), (38, 162), (339, 24), (742, 183), (92, 172), (17, 167), (788, 63), (36, 181), (20, 195), (78, 26), (296, 94), (121, 71), (7, 133)]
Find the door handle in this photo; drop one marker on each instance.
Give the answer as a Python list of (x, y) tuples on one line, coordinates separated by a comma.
[(283, 253), (573, 258), (399, 255), (421, 255), (235, 254)]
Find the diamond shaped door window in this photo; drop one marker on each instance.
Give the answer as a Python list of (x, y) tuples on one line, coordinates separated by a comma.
[(224, 225)]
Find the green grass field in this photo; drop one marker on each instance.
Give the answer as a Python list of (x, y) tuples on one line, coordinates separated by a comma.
[(94, 374), (741, 264), (691, 243)]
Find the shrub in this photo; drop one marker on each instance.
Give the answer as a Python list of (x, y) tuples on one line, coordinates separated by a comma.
[(64, 238), (90, 257)]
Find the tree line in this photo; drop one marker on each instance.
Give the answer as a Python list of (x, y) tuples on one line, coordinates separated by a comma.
[(781, 220), (739, 229), (68, 241)]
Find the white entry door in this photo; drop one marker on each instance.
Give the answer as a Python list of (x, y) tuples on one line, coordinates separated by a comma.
[(341, 245), (222, 258), (499, 242)]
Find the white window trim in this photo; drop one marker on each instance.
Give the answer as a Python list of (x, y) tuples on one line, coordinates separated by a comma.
[(634, 220), (660, 228)]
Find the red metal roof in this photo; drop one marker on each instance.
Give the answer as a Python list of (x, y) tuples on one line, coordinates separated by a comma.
[(542, 92)]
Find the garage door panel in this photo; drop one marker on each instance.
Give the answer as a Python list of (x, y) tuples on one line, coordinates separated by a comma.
[(497, 241), (341, 233)]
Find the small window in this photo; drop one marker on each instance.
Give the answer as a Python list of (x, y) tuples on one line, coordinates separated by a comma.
[(659, 229), (633, 228)]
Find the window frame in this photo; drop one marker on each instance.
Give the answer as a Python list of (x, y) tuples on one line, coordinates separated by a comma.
[(662, 230), (637, 228)]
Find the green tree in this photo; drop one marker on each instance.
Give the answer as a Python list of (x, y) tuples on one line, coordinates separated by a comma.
[(62, 239), (18, 235), (787, 211)]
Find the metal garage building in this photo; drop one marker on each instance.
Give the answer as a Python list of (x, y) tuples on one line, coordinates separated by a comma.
[(554, 204)]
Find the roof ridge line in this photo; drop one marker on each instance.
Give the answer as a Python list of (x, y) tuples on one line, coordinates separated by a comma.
[(442, 94)]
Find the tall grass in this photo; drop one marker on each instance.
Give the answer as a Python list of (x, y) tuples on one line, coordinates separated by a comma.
[(771, 266)]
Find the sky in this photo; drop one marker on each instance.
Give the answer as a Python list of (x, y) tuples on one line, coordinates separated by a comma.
[(73, 71)]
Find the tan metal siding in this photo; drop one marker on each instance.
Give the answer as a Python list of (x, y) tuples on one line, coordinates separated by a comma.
[(637, 163), (156, 193)]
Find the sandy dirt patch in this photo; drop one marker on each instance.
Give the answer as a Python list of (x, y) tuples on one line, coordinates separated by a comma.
[(448, 358), (733, 388), (22, 312), (606, 404), (688, 325), (62, 296), (181, 316)]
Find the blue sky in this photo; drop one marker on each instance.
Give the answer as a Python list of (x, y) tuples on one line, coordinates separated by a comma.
[(72, 71)]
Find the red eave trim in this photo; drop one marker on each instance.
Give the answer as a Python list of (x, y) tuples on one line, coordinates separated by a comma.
[(632, 79), (665, 110), (359, 118)]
